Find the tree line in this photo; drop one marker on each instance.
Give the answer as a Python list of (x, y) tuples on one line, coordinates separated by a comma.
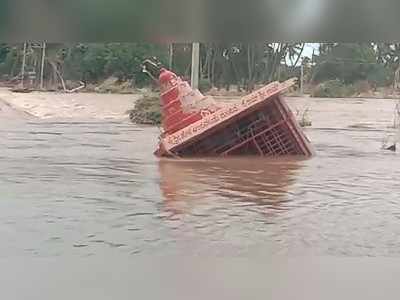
[(222, 65)]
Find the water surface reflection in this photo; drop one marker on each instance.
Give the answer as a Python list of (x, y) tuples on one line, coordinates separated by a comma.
[(243, 181)]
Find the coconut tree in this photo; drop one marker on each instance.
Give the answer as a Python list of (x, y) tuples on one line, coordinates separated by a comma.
[(389, 54)]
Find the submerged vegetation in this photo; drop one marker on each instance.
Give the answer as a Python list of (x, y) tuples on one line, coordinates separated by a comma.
[(333, 88), (303, 117), (147, 110), (396, 117)]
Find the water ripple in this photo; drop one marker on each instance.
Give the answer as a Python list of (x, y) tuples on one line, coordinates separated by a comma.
[(92, 187)]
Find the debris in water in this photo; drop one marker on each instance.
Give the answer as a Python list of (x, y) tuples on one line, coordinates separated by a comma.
[(260, 123), (392, 148), (80, 245), (396, 119), (303, 118), (21, 90), (146, 111)]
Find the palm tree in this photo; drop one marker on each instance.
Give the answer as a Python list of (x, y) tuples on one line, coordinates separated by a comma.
[(389, 54)]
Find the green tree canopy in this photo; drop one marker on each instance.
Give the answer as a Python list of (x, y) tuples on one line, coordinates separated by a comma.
[(347, 62)]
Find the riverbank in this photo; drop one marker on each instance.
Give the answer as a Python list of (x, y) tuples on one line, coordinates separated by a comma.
[(7, 111), (45, 105), (345, 92), (331, 89), (324, 113)]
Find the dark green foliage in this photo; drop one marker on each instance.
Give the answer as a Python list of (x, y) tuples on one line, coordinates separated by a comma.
[(9, 62), (124, 60), (94, 62), (86, 62), (380, 75), (333, 89), (90, 62), (222, 65), (347, 62), (245, 64), (4, 49), (204, 86)]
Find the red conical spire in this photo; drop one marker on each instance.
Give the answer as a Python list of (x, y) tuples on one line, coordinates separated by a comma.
[(174, 114)]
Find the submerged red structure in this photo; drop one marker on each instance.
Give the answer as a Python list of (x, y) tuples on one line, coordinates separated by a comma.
[(260, 123)]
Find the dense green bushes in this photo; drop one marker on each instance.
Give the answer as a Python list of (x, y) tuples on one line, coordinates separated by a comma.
[(336, 68), (349, 62), (204, 86), (332, 89), (94, 62), (147, 110), (4, 49), (88, 62)]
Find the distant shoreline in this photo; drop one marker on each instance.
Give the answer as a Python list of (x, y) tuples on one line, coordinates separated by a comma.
[(220, 94), (48, 105)]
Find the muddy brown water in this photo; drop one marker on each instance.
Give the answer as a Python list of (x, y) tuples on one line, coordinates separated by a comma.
[(85, 188)]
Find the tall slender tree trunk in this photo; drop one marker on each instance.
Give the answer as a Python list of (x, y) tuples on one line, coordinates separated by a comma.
[(278, 56), (300, 54), (57, 74), (249, 68), (14, 65), (235, 73), (253, 66), (209, 66), (171, 55), (213, 67), (396, 78), (206, 66)]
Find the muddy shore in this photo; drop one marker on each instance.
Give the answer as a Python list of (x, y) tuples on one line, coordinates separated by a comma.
[(60, 105), (323, 112), (7, 111)]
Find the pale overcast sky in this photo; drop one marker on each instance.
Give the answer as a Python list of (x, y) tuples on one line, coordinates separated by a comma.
[(308, 49)]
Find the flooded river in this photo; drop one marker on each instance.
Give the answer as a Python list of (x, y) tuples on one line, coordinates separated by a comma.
[(84, 188)]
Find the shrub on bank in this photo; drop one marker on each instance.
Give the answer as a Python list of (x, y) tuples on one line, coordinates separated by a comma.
[(333, 89), (363, 87), (204, 86), (147, 110)]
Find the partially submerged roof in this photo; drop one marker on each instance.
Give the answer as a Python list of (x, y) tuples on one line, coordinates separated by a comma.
[(258, 124)]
